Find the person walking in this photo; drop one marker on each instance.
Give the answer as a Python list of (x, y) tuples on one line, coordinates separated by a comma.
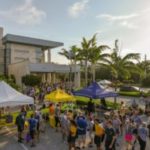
[(20, 120)]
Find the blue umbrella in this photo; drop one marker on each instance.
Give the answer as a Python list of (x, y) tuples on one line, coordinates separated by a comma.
[(95, 91)]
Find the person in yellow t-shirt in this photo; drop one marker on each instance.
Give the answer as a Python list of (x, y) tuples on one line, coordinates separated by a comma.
[(72, 134), (99, 133)]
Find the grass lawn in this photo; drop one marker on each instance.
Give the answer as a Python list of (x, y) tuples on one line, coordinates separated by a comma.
[(3, 123), (81, 100)]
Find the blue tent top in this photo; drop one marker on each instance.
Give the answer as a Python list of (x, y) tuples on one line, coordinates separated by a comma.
[(95, 91)]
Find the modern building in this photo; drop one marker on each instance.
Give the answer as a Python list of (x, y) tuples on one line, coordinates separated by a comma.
[(20, 55)]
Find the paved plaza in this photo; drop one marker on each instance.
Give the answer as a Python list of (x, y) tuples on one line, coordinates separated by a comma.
[(50, 140)]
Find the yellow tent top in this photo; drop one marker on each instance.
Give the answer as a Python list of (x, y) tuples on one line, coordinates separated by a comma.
[(59, 96)]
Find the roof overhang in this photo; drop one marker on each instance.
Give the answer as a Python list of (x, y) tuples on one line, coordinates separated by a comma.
[(44, 44), (47, 68)]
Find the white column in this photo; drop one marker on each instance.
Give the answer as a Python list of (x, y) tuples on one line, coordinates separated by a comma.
[(54, 78), (49, 55), (43, 77)]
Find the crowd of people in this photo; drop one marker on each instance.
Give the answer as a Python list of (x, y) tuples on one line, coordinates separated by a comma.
[(84, 127)]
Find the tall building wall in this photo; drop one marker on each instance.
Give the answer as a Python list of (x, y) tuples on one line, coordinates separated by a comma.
[(20, 52), (1, 52)]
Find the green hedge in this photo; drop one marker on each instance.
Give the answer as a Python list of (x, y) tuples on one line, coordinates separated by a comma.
[(84, 100), (132, 94)]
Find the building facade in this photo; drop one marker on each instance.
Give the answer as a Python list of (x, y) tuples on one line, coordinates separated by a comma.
[(1, 52), (20, 55)]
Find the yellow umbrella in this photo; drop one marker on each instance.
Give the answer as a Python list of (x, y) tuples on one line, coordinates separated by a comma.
[(59, 96)]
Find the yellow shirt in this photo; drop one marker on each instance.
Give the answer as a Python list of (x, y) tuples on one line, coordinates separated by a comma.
[(73, 130), (99, 130)]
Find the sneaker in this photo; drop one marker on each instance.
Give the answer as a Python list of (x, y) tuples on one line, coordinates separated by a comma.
[(19, 141), (90, 145), (78, 147), (32, 145)]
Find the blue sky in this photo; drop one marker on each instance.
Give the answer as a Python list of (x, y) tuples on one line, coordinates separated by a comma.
[(68, 21)]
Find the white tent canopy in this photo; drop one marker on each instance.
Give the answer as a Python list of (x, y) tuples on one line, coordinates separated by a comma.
[(11, 97), (105, 82)]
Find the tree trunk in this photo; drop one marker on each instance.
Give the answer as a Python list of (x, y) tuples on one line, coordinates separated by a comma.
[(86, 73), (93, 72)]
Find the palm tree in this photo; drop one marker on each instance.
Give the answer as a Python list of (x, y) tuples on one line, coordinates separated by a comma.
[(121, 66), (71, 55), (84, 53), (96, 54)]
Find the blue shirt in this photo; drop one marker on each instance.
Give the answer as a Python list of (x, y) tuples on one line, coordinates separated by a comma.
[(82, 125), (143, 133), (32, 123)]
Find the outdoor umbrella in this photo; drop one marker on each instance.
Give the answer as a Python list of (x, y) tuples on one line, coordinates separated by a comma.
[(11, 97), (59, 96), (95, 91)]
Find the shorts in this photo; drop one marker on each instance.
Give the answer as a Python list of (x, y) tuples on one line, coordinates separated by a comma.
[(32, 134), (97, 140), (71, 139), (81, 136), (57, 121), (38, 126), (20, 129), (108, 143)]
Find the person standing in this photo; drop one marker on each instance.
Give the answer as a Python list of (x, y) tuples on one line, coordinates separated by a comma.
[(57, 117), (90, 106), (99, 133), (129, 134), (142, 136), (82, 128), (32, 129), (148, 124), (72, 134), (20, 120), (110, 137), (38, 119)]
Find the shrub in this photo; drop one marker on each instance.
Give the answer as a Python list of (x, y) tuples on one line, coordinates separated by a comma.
[(146, 81), (31, 80), (10, 80)]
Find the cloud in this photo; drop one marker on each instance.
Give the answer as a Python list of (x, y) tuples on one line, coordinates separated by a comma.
[(128, 25), (25, 14), (122, 20), (117, 18), (77, 8)]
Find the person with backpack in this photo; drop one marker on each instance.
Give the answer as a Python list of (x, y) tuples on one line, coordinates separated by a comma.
[(82, 128), (99, 133), (32, 129), (72, 134), (20, 120)]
